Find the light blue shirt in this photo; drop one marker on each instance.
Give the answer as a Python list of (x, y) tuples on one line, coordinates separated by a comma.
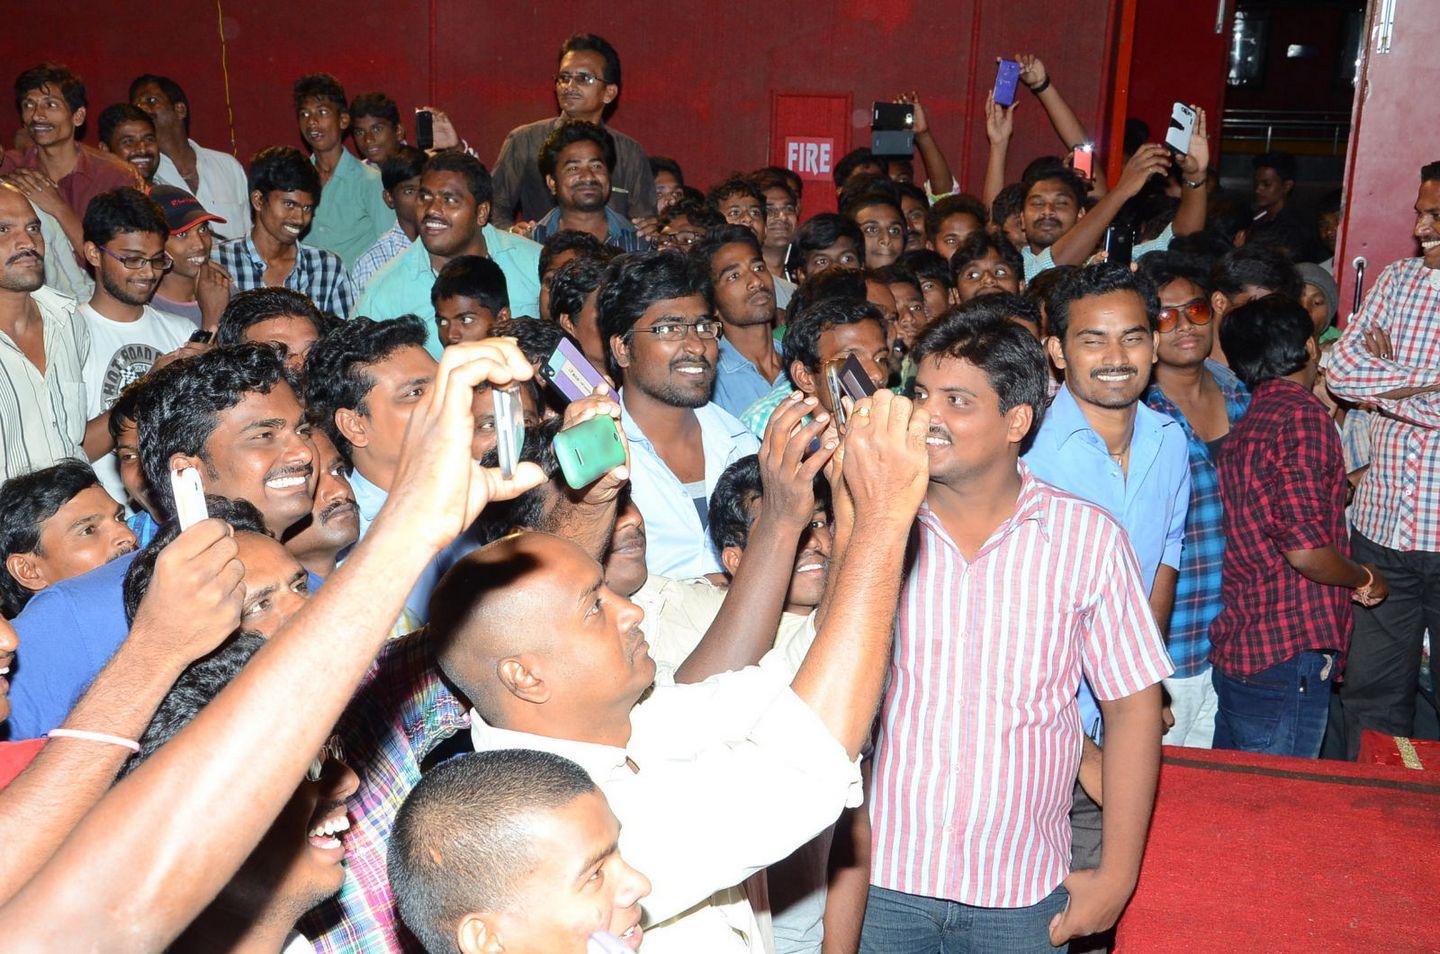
[(352, 212), (738, 383), (403, 286), (676, 545), (1150, 502), (1035, 263)]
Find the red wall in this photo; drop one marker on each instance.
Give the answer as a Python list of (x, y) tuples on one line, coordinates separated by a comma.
[(697, 76)]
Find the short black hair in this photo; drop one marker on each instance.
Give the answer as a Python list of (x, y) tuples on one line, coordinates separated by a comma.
[(1007, 202), (321, 86), (773, 177), (471, 276), (839, 282), (530, 510), (536, 338), (700, 214), (851, 161), (335, 370), (1331, 201), (1163, 267), (735, 184), (1011, 358), (911, 190), (895, 274), (1430, 172), (1068, 180), (574, 282), (928, 264), (956, 204), (477, 177), (461, 842), (570, 132), (1093, 280), (1265, 338), (181, 409), (376, 106), (864, 191), (26, 502), (566, 240), (659, 164), (115, 114), (824, 230), (802, 333), (66, 80), (635, 281), (407, 163), (1282, 162), (262, 304), (721, 236), (126, 407), (979, 245), (1004, 306), (172, 90), (595, 44), (121, 211), (243, 517), (738, 487), (1258, 267), (283, 169)]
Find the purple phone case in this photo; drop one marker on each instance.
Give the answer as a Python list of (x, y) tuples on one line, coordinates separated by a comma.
[(571, 372), (1006, 78)]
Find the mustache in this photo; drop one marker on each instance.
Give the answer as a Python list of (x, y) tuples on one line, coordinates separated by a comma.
[(26, 254), (303, 470), (1117, 369), (343, 504)]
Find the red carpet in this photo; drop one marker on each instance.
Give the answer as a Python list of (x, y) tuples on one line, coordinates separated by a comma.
[(1258, 853)]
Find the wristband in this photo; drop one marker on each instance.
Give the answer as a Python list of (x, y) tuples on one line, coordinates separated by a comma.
[(1193, 185), (94, 737), (1042, 87)]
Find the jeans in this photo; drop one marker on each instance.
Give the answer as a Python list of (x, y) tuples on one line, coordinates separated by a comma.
[(1281, 710), (898, 923)]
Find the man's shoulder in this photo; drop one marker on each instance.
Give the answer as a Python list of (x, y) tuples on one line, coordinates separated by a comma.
[(110, 168), (624, 141), (536, 131), (1062, 510), (719, 419), (217, 156), (55, 305), (317, 254), (514, 246), (94, 596)]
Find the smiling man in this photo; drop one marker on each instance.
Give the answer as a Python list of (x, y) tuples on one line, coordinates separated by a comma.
[(195, 287), (128, 133), (577, 160)]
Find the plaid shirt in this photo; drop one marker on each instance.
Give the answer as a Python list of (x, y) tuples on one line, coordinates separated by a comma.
[(377, 256), (1397, 504), (400, 714), (317, 273), (1283, 483), (1197, 591)]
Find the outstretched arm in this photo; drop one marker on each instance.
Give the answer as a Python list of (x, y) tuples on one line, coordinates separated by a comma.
[(937, 170)]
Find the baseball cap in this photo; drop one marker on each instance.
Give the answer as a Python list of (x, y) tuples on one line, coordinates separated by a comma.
[(182, 210)]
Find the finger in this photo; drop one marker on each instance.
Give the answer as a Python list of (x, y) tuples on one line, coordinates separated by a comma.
[(198, 538), (1057, 929), (799, 443), (527, 475), (784, 422), (810, 468)]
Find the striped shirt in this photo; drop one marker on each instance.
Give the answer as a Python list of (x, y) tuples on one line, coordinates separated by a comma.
[(1397, 504), (377, 256), (42, 415), (979, 741), (317, 273)]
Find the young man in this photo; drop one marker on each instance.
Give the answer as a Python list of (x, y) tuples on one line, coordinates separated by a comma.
[(469, 299), (858, 162), (781, 219), (351, 211), (573, 306), (685, 222), (577, 160), (400, 177), (455, 193), (375, 124), (1207, 401), (874, 206), (215, 178), (983, 265), (1007, 215), (127, 132), (1281, 637), (320, 543), (195, 287), (1277, 223), (586, 83), (284, 188), (56, 523), (952, 220), (1246, 274), (669, 182), (825, 241), (1387, 356), (561, 248), (981, 637), (739, 202), (284, 319), (904, 286), (932, 270), (657, 317), (749, 364)]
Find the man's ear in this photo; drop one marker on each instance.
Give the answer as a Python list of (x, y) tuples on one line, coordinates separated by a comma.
[(802, 378), (1219, 304), (78, 117), (181, 461), (502, 317), (1056, 353), (730, 560), (620, 348), (352, 426), (522, 681), (1312, 349), (182, 110), (550, 184), (389, 199), (473, 936), (568, 326), (92, 254), (1018, 421), (611, 91), (344, 122), (482, 214), (257, 200), (25, 570)]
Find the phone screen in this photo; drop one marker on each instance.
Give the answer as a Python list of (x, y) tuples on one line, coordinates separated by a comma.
[(424, 129), (1083, 160)]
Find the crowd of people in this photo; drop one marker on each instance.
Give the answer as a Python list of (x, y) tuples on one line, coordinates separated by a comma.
[(883, 667)]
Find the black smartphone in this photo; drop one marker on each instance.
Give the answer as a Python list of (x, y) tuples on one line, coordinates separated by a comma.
[(424, 129), (201, 337), (855, 380), (1119, 245), (892, 129)]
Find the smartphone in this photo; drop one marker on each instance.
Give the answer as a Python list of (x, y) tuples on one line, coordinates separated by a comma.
[(1119, 245), (424, 129), (1007, 77), (201, 337), (854, 380), (837, 392), (509, 428), (1182, 128), (1082, 160), (572, 374), (892, 129), (589, 450), (189, 494)]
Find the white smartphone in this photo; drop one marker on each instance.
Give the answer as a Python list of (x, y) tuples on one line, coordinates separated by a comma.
[(509, 428), (1182, 128), (189, 497)]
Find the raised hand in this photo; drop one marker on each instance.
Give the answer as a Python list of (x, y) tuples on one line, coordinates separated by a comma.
[(1196, 162), (1150, 159), (608, 486), (195, 596), (787, 466), (1032, 71), (999, 120), (886, 466), (922, 123)]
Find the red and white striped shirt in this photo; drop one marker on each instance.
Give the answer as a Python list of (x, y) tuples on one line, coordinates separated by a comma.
[(979, 742), (1397, 504)]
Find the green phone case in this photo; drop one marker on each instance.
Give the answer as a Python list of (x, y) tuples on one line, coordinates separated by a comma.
[(588, 450)]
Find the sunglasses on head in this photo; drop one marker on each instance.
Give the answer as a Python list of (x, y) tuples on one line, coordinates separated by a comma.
[(1196, 312)]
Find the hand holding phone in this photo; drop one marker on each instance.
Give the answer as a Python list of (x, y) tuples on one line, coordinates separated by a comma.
[(1007, 78), (589, 450), (189, 494), (1182, 128), (855, 380), (509, 428), (1082, 160), (572, 374)]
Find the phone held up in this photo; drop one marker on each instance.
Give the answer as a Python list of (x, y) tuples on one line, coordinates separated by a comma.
[(424, 130), (1007, 79), (1082, 160), (1182, 129), (892, 130)]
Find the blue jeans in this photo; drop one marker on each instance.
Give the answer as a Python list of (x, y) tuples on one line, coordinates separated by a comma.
[(898, 923), (1281, 710)]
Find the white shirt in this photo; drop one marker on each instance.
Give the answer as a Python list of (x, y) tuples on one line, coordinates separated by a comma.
[(734, 773), (42, 415), (62, 270), (223, 188)]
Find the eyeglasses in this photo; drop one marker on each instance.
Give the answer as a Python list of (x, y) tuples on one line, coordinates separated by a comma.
[(161, 262), (579, 79), (705, 329), (1196, 312)]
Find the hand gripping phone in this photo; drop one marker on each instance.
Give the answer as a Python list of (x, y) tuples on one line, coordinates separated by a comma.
[(570, 373), (1007, 78), (1182, 129), (509, 428), (1082, 160), (190, 506), (1119, 245), (589, 450), (854, 380)]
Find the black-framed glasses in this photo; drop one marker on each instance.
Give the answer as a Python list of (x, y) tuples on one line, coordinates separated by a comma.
[(579, 79), (161, 262), (706, 329)]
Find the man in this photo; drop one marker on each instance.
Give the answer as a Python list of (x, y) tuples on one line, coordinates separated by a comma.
[(657, 318), (739, 202), (1277, 223), (825, 241), (577, 160), (375, 124), (952, 220), (400, 179), (284, 319), (986, 636), (1328, 215), (48, 348), (1207, 401), (781, 219), (334, 525), (284, 188), (56, 523), (231, 414), (586, 84), (1284, 627), (1007, 215), (685, 222), (874, 206), (904, 287), (470, 300), (858, 162), (127, 133), (932, 270), (1247, 274), (985, 266), (214, 177), (749, 363), (351, 211), (562, 248), (195, 287), (573, 306), (1387, 356), (669, 181), (455, 193)]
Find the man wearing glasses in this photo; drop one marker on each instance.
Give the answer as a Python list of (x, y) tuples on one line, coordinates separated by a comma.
[(658, 320), (586, 83)]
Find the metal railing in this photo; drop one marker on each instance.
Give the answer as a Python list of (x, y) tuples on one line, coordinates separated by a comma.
[(1267, 125)]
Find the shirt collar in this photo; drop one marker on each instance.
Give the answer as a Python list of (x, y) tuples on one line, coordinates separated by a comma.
[(601, 762), (368, 497), (1030, 505)]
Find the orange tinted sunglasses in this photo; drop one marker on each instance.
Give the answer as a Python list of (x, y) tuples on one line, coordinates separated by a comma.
[(1196, 312)]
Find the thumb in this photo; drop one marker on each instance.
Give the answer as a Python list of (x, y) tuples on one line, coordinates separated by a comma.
[(1057, 936)]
